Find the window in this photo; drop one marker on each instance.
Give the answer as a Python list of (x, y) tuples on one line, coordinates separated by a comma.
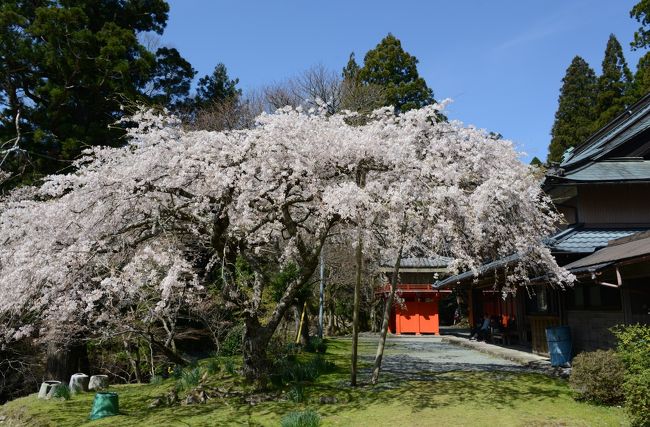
[(594, 297)]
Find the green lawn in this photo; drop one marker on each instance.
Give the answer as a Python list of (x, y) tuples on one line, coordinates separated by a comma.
[(451, 398)]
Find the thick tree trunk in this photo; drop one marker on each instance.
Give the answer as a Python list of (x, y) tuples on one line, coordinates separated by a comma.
[(255, 342), (355, 310), (384, 323)]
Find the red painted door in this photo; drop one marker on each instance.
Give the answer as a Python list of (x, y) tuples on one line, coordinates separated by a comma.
[(417, 317)]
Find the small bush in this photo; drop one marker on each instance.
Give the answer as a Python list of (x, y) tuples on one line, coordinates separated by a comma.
[(634, 350), (637, 398), (213, 366), (322, 366), (176, 372), (190, 378), (597, 377), (297, 393), (156, 380), (307, 418), (232, 344), (316, 345), (634, 346), (230, 367), (61, 391)]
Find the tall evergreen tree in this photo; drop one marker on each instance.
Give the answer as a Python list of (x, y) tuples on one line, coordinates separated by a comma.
[(216, 88), (66, 67), (394, 69), (641, 85), (614, 84), (641, 12), (575, 114)]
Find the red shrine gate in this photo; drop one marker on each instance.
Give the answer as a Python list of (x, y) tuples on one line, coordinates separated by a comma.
[(418, 314)]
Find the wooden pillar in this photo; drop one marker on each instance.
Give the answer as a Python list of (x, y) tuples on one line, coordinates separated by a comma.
[(470, 306)]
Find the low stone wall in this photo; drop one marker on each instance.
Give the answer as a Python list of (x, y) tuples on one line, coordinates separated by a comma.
[(590, 329)]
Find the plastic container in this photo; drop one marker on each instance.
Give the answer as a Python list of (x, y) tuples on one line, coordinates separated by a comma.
[(559, 345), (105, 404)]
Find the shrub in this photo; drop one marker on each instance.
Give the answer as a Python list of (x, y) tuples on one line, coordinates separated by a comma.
[(307, 418), (61, 391), (297, 393), (598, 376), (230, 367), (232, 344), (156, 380), (190, 378), (634, 350), (637, 398), (634, 346), (316, 345), (213, 366)]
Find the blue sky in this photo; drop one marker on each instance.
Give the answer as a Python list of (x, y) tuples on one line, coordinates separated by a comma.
[(501, 61)]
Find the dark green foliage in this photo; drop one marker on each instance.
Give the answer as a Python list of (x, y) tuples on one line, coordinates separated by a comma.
[(61, 391), (232, 344), (641, 12), (351, 70), (190, 378), (296, 393), (213, 366), (641, 85), (230, 367), (171, 79), (289, 370), (216, 88), (634, 350), (67, 68), (307, 418), (316, 345), (597, 377), (536, 162), (614, 84), (637, 398), (634, 346), (156, 379), (280, 281), (574, 119), (395, 70)]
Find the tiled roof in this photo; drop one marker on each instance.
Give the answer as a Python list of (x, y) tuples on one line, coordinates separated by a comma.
[(616, 133), (587, 240), (485, 268), (572, 240), (421, 262), (612, 170)]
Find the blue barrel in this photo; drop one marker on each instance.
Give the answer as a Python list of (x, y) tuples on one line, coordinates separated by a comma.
[(559, 345)]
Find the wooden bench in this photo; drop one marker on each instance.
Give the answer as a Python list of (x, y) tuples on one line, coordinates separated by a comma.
[(504, 336)]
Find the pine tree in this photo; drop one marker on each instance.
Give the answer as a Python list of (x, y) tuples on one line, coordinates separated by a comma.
[(216, 88), (394, 69), (641, 85), (614, 84), (575, 114), (641, 12)]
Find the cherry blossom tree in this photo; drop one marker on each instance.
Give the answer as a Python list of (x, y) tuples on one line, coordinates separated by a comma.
[(139, 235)]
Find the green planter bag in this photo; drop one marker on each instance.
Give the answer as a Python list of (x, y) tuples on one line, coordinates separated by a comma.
[(106, 404)]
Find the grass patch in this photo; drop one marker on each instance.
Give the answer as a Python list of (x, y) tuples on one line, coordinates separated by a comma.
[(451, 398)]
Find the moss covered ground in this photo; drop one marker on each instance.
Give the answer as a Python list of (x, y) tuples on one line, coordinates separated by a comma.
[(456, 398)]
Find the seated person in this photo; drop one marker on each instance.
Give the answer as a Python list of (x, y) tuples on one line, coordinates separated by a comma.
[(482, 330)]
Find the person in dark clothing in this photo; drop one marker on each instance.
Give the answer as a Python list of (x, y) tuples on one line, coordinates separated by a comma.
[(482, 330)]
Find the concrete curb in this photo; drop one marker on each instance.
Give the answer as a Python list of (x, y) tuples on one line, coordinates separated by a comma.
[(520, 357)]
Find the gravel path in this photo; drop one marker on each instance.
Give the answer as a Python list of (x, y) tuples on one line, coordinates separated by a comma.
[(416, 357)]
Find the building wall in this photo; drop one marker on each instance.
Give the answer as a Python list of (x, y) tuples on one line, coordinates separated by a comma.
[(614, 204), (590, 329)]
